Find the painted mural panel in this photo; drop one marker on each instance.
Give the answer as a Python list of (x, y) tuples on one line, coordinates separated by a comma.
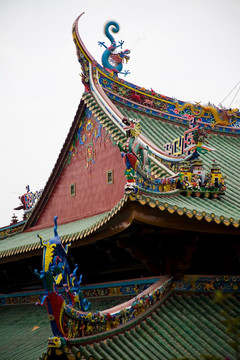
[(92, 155)]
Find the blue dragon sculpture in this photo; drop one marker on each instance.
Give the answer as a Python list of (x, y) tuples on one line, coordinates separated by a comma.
[(111, 60)]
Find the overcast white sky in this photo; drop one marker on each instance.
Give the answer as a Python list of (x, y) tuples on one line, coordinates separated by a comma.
[(188, 49)]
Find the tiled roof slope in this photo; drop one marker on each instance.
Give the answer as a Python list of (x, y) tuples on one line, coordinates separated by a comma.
[(28, 241), (24, 332), (226, 209), (25, 329), (183, 326)]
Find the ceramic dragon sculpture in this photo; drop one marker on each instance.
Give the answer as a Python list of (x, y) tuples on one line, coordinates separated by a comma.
[(55, 258), (112, 60), (56, 273), (224, 117), (57, 348), (68, 311)]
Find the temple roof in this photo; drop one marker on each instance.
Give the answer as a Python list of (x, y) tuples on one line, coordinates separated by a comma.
[(163, 120), (224, 210), (183, 326), (188, 321), (25, 328)]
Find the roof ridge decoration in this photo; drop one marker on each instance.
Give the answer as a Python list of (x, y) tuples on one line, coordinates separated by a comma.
[(138, 164), (192, 139), (11, 230), (194, 180), (112, 61), (219, 119), (225, 117), (68, 310), (187, 176), (90, 76), (28, 201), (156, 104), (104, 85)]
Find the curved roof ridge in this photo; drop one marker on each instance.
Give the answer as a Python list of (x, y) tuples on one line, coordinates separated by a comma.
[(102, 81)]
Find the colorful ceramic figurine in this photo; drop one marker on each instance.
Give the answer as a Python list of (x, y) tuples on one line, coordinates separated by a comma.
[(56, 273), (62, 296), (113, 61), (194, 180)]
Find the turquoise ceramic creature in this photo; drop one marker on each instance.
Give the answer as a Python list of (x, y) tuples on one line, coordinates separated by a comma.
[(111, 60)]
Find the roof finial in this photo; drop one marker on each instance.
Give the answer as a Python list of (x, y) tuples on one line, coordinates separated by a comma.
[(113, 61)]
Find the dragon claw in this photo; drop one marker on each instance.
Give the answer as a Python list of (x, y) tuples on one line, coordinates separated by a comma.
[(101, 43), (126, 72), (121, 42)]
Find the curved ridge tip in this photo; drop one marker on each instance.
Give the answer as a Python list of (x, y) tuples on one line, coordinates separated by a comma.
[(76, 21)]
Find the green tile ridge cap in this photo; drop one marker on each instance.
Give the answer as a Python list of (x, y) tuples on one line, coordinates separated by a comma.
[(170, 118), (123, 327)]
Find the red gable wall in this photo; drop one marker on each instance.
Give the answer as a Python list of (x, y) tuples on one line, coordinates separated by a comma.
[(90, 158)]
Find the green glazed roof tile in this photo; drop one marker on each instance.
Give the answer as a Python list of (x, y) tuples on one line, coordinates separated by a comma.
[(183, 326), (24, 332), (226, 155), (77, 229), (159, 132)]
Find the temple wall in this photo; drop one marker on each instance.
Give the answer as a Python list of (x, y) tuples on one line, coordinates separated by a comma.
[(91, 157)]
